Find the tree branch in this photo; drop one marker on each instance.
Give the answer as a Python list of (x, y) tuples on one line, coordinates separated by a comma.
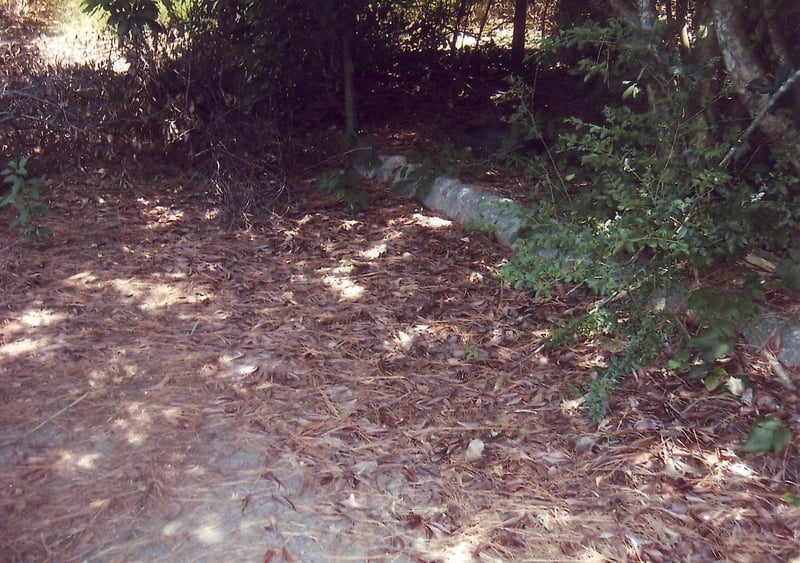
[(743, 68), (761, 114)]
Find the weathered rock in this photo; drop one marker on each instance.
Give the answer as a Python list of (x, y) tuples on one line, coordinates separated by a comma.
[(474, 208)]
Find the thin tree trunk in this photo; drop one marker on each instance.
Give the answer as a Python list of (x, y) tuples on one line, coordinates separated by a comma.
[(349, 89), (518, 39), (776, 38), (543, 23), (460, 14), (484, 19)]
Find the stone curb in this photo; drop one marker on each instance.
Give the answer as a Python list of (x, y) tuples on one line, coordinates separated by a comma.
[(479, 210), (474, 208)]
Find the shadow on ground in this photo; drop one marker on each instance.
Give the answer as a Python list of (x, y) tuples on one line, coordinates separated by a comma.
[(330, 387)]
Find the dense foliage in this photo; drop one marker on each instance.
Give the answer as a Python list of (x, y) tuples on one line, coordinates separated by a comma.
[(641, 194)]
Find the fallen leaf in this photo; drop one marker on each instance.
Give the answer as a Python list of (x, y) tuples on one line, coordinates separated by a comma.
[(475, 449)]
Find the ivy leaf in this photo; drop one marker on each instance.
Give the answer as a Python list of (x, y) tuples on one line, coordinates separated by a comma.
[(698, 372), (679, 362), (714, 380)]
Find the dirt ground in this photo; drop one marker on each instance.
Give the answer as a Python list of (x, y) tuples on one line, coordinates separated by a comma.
[(336, 387), (340, 387)]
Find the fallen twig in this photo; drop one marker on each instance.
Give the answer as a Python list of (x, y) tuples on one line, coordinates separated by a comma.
[(45, 421)]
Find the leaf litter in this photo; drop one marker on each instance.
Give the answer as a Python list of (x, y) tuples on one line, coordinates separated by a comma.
[(336, 387)]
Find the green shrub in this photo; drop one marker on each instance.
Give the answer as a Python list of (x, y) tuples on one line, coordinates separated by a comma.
[(636, 198), (24, 195), (341, 186), (128, 17)]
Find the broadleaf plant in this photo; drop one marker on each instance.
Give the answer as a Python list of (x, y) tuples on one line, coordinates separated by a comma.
[(24, 195)]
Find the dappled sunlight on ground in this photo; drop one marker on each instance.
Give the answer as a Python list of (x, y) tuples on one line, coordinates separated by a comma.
[(76, 39), (330, 386), (316, 388)]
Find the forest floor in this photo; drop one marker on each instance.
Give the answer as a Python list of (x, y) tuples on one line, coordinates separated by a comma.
[(336, 387), (328, 386)]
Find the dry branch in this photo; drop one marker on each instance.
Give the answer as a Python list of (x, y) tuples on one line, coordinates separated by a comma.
[(761, 115)]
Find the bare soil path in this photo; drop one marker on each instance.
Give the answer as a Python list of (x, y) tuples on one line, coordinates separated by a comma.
[(333, 387)]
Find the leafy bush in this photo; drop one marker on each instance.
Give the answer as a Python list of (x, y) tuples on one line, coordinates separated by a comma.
[(637, 198), (646, 181), (340, 186), (128, 17), (718, 319), (646, 334)]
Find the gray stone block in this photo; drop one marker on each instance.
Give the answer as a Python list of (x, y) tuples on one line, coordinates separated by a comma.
[(789, 354)]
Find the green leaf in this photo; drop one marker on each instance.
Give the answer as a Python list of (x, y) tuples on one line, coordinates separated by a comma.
[(331, 181), (759, 440), (631, 91), (791, 498), (767, 434), (11, 167), (8, 199), (42, 209), (789, 272), (781, 439), (713, 343), (713, 381), (678, 362), (698, 372), (24, 215), (702, 298), (13, 194)]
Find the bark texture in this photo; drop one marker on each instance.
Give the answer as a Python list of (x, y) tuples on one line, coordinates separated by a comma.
[(743, 68), (518, 40)]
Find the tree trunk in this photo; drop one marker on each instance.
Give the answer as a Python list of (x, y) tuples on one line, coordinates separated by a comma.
[(647, 13), (457, 28), (543, 27), (349, 89), (484, 19), (518, 39), (776, 38), (624, 11), (743, 68), (646, 20)]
